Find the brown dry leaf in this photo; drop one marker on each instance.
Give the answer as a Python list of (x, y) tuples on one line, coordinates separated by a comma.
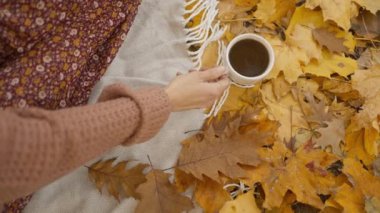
[(210, 56), (159, 195), (342, 111), (376, 167), (369, 58), (332, 136), (360, 178), (316, 113), (210, 195), (337, 11), (372, 205), (117, 178), (367, 25), (328, 39), (244, 203), (209, 157), (351, 199)]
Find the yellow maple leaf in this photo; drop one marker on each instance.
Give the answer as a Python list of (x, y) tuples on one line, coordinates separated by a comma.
[(302, 173), (302, 37), (355, 145), (337, 11), (239, 98), (306, 17), (372, 5), (290, 66), (210, 195), (350, 199), (314, 19), (244, 203), (367, 83), (287, 111), (330, 64), (273, 10), (360, 178), (246, 3)]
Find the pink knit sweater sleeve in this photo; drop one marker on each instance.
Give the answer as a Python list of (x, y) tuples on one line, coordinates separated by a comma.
[(38, 146)]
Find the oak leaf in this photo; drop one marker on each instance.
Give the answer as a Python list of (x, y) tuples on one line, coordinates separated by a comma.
[(118, 179), (369, 58), (209, 157), (333, 135), (159, 195)]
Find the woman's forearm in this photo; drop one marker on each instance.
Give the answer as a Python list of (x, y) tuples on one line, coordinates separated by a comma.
[(39, 146)]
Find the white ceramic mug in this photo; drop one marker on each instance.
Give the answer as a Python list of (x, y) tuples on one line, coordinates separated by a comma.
[(245, 80)]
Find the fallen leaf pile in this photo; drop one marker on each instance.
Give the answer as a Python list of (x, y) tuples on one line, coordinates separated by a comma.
[(307, 139)]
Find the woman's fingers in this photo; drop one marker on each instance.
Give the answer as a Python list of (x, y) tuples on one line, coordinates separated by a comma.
[(212, 74), (221, 85)]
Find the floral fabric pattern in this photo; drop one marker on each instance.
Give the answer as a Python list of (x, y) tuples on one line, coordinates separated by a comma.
[(52, 52)]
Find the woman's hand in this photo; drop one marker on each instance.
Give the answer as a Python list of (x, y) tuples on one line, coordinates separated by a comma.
[(197, 89)]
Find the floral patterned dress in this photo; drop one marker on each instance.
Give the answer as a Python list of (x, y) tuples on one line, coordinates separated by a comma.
[(52, 52)]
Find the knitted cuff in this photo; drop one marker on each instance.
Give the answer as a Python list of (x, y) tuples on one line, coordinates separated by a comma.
[(154, 106)]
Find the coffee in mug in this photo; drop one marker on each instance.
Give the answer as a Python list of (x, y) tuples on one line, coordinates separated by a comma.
[(250, 58)]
